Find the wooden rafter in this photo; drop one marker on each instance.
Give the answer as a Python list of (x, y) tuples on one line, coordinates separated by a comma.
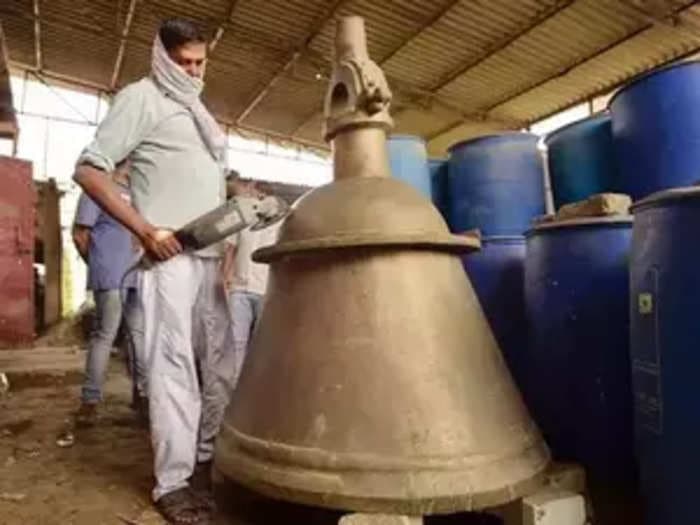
[(92, 28), (316, 28), (562, 71), (122, 44), (662, 13), (425, 27), (81, 83), (221, 29), (59, 77), (38, 58), (551, 11)]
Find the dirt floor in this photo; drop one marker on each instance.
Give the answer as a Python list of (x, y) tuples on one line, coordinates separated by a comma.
[(104, 477)]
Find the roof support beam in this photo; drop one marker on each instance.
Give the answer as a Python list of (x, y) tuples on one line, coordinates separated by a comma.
[(59, 77), (606, 90), (91, 28), (554, 9), (38, 58), (77, 82), (562, 71), (162, 9), (409, 97), (316, 28), (219, 33), (422, 29), (428, 24), (122, 44), (661, 13)]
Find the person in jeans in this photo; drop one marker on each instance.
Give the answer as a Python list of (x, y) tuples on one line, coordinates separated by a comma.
[(244, 279), (108, 249)]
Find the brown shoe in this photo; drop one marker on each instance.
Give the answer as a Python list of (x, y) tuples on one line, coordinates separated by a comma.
[(86, 416), (201, 484), (182, 507)]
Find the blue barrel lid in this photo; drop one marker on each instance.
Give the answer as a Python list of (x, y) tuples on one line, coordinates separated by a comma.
[(494, 136), (648, 74), (664, 197), (603, 115), (583, 222)]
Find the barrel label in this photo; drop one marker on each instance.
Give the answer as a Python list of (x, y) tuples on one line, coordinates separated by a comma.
[(646, 303), (646, 357)]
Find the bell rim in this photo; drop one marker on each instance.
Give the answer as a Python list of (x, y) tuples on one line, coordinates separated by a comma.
[(457, 244), (350, 493)]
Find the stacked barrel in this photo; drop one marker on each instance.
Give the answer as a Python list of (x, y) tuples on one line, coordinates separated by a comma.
[(595, 315), (656, 128)]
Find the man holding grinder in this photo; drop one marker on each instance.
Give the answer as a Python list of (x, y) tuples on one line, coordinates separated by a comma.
[(176, 150)]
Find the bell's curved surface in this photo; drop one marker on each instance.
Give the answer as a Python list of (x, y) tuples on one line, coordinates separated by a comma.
[(373, 381)]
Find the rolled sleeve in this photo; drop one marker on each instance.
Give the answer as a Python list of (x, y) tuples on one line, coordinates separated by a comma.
[(124, 127), (87, 212)]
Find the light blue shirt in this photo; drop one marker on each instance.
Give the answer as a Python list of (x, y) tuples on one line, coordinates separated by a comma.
[(174, 178)]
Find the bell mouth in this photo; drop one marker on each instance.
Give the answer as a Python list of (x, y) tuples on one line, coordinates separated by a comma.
[(363, 483), (429, 241)]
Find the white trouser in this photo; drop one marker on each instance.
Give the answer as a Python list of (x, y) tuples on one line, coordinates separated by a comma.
[(181, 297)]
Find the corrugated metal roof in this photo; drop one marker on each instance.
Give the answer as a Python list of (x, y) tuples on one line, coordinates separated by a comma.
[(457, 67), (19, 30)]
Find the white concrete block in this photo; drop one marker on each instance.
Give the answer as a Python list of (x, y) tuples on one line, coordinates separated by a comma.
[(380, 519), (554, 508)]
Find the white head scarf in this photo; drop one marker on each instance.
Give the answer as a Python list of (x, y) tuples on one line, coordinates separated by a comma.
[(183, 88)]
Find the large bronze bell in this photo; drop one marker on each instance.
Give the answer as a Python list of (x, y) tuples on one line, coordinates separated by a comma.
[(373, 381)]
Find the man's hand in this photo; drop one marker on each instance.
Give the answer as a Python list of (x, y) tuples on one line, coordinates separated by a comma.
[(161, 244), (81, 239)]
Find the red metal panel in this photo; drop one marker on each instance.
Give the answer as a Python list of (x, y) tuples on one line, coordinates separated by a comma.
[(17, 202)]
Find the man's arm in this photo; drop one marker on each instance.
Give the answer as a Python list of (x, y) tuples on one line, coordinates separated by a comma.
[(81, 239), (158, 242), (86, 215), (128, 121)]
